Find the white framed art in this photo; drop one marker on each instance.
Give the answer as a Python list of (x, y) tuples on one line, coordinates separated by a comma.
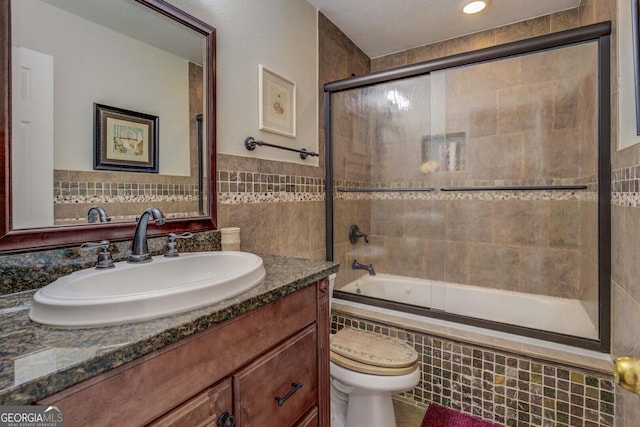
[(277, 103)]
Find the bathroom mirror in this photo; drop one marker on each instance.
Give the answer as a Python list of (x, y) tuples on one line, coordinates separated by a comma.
[(99, 67)]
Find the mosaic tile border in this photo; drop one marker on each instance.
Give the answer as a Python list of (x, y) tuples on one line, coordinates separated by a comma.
[(498, 386), (626, 180), (237, 187), (589, 181), (585, 196), (87, 192), (352, 192), (625, 186)]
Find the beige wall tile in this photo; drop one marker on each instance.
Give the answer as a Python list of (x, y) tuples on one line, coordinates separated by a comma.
[(424, 219), (523, 30), (469, 220), (553, 272), (405, 256), (457, 267), (521, 222), (494, 266), (496, 157), (386, 218), (565, 224)]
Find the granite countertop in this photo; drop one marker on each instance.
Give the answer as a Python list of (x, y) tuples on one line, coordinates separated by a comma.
[(37, 361)]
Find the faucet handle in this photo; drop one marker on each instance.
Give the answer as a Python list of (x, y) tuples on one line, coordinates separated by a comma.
[(171, 250), (355, 234), (104, 256)]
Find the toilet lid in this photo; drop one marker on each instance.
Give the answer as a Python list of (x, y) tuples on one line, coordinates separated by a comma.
[(370, 369), (369, 348)]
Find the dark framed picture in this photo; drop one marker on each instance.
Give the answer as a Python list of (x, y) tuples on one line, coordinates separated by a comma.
[(125, 140)]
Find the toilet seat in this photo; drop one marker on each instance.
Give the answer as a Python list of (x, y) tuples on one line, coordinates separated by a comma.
[(372, 353)]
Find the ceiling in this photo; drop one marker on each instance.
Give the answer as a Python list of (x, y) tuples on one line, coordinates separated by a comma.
[(140, 23), (382, 27)]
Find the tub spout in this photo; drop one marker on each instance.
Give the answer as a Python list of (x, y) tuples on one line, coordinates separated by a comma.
[(357, 266)]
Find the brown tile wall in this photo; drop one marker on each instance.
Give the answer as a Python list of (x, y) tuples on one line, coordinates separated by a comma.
[(522, 30), (625, 216), (123, 195), (625, 232), (503, 387), (524, 120)]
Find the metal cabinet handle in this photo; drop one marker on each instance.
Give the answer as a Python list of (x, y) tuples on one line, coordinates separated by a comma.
[(296, 387), (226, 420)]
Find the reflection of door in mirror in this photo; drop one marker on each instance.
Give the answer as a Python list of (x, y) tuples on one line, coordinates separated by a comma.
[(32, 136), (104, 53)]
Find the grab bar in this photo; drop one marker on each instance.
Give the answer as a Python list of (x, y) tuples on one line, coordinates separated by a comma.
[(250, 144), (519, 188), (382, 190)]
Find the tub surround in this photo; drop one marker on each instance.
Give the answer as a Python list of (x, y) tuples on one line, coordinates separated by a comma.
[(39, 361), (514, 385)]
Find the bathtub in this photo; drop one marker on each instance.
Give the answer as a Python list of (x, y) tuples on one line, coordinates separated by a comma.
[(559, 315)]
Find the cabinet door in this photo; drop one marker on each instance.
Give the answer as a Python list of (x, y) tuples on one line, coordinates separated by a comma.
[(201, 411), (281, 386)]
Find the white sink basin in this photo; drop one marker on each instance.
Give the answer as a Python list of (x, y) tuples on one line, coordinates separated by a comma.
[(135, 292)]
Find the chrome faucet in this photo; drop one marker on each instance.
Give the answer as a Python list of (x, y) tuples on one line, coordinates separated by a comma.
[(357, 266), (97, 212), (140, 249)]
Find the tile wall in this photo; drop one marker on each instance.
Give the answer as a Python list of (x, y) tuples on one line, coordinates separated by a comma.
[(123, 195), (625, 216), (525, 120), (503, 387)]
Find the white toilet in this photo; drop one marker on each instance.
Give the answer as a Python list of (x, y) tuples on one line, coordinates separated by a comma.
[(366, 369)]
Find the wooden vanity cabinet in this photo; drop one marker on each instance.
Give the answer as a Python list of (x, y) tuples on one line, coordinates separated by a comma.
[(267, 367), (203, 410)]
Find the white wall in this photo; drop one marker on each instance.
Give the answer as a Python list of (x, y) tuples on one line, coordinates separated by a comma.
[(282, 36), (116, 71), (626, 84)]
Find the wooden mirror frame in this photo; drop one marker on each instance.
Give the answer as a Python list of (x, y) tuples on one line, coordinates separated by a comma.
[(52, 237)]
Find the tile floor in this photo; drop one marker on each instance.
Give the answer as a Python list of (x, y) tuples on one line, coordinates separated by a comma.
[(408, 414)]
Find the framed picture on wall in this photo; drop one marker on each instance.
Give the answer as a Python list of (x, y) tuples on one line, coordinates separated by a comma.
[(125, 140), (277, 103)]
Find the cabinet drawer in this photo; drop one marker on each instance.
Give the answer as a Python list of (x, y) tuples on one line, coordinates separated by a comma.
[(274, 375), (203, 410), (310, 419)]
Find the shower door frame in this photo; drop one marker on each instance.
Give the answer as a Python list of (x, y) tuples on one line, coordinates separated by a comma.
[(599, 33)]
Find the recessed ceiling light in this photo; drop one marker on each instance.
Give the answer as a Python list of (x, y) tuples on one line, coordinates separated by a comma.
[(473, 6)]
